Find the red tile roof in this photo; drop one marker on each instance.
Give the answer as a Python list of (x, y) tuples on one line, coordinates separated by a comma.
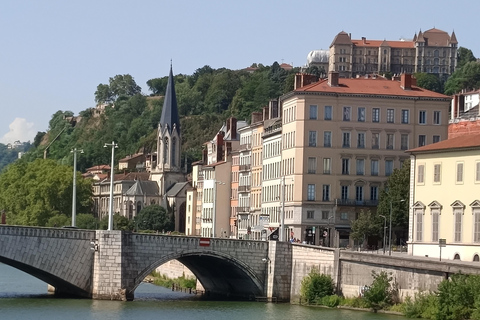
[(469, 141), (379, 86), (378, 43)]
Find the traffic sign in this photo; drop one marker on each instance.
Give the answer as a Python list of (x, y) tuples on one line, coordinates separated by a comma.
[(204, 242)]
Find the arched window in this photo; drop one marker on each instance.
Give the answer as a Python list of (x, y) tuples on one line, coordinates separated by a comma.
[(139, 206), (174, 151), (476, 258), (165, 150), (456, 257)]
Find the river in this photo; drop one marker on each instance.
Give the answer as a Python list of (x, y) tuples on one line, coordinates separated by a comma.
[(24, 297)]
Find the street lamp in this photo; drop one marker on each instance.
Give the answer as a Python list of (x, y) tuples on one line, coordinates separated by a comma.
[(74, 192), (384, 231), (110, 208), (390, 231), (214, 218)]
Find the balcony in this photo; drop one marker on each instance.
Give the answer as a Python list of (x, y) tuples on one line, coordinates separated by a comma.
[(356, 203), (243, 188), (244, 167), (243, 210), (245, 147)]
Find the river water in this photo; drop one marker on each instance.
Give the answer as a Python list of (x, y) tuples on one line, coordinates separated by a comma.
[(24, 297)]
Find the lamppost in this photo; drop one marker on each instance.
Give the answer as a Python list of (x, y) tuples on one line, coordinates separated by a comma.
[(214, 218), (390, 231), (110, 208), (384, 231), (74, 192)]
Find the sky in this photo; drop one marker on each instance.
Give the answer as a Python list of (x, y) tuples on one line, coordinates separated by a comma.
[(54, 54)]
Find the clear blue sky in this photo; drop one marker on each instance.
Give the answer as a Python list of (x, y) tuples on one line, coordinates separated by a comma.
[(55, 53)]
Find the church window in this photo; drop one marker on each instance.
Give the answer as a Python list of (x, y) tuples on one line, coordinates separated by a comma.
[(165, 150), (174, 151)]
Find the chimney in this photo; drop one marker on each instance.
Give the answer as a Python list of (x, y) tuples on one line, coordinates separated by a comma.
[(274, 109), (406, 81), (333, 79), (219, 154), (303, 79), (257, 116), (233, 128), (228, 125), (266, 113), (364, 40)]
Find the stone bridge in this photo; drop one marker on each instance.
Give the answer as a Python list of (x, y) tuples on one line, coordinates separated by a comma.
[(111, 264)]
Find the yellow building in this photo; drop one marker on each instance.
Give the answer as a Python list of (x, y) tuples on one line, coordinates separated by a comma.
[(445, 199), (341, 139)]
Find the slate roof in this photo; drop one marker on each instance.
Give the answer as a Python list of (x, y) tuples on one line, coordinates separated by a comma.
[(169, 118), (175, 189), (143, 188)]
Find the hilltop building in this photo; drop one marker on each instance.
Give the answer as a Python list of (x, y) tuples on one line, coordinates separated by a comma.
[(433, 51)]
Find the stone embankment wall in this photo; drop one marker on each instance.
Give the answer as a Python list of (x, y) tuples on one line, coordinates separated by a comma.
[(174, 269)]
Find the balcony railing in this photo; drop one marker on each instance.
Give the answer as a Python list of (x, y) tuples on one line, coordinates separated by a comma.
[(356, 203), (243, 188), (243, 210), (246, 146), (244, 167)]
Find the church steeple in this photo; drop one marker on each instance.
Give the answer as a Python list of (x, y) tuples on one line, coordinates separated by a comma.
[(169, 119)]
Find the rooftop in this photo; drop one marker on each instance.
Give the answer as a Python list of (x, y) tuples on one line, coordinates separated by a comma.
[(470, 141)]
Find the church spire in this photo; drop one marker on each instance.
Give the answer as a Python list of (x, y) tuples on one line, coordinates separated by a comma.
[(169, 118)]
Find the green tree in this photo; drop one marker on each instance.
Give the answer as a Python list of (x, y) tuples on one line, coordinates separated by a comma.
[(464, 56), (154, 217), (59, 221), (315, 286), (396, 197), (34, 192), (466, 77), (158, 85), (87, 221), (367, 225), (429, 81), (103, 94), (119, 223), (381, 293)]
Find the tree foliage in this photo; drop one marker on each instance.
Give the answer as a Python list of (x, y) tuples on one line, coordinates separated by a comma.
[(429, 81), (33, 192), (122, 85), (467, 77), (315, 286), (367, 225), (464, 56), (380, 293), (154, 217)]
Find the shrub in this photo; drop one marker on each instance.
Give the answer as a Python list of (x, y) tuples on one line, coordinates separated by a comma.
[(316, 286), (424, 306), (330, 301), (380, 294)]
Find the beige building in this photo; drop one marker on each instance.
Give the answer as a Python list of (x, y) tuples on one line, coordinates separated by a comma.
[(341, 139), (433, 51), (445, 199)]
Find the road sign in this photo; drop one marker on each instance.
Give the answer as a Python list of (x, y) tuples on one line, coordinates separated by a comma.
[(204, 242), (442, 242)]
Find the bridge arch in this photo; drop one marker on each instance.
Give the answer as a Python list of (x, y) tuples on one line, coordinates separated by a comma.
[(218, 272)]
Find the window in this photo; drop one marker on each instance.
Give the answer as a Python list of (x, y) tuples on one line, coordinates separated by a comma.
[(313, 112), (345, 166), (435, 223), (360, 167), (359, 193), (346, 140), (327, 164), (344, 216), (388, 167), (361, 140), (436, 117), (422, 117), (375, 140), (390, 116), (346, 113), (477, 171), (374, 167), (327, 113), (436, 173), (325, 215), (421, 174), (419, 223), (312, 165), (327, 139), (376, 115), (476, 225), (458, 224), (404, 141), (311, 192), (326, 192), (422, 140), (405, 116), (459, 172), (361, 114), (374, 193), (389, 141), (344, 192), (310, 214), (312, 138), (436, 139)]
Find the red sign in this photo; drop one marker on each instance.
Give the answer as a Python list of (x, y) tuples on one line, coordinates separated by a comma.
[(204, 242)]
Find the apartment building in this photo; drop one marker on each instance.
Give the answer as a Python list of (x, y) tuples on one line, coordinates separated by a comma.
[(341, 139), (445, 199), (433, 51)]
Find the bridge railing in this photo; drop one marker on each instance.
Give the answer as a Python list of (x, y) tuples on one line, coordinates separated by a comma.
[(47, 232)]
